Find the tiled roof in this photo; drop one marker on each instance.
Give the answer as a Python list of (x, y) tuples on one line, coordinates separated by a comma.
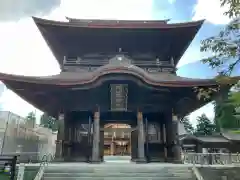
[(207, 138), (231, 136)]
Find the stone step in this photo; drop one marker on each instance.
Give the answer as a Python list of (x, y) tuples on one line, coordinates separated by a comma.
[(118, 168), (116, 178), (118, 172), (186, 175)]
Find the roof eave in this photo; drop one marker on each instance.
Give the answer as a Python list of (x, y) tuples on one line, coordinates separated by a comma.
[(185, 49), (97, 75)]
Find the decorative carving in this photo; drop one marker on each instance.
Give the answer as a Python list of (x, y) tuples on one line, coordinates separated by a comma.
[(167, 69), (172, 61), (93, 68), (159, 69), (96, 115), (158, 62), (154, 133), (153, 70), (139, 116), (119, 59), (61, 117), (174, 118)]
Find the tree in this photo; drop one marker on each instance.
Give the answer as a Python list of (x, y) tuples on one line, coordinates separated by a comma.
[(48, 122), (225, 116), (187, 124), (225, 47), (234, 7), (204, 126), (31, 119)]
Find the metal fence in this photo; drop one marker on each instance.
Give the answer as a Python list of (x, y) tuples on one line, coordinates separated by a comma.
[(19, 137), (211, 158)]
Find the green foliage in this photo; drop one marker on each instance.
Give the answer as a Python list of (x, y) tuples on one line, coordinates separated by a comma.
[(225, 115), (234, 96), (48, 122), (187, 124), (235, 131), (204, 126), (225, 47), (234, 7)]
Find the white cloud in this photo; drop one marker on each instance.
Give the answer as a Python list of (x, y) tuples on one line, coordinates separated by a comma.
[(211, 11), (109, 9), (23, 50), (11, 102), (11, 10), (171, 1)]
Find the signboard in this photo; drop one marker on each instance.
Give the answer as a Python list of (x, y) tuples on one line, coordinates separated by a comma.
[(119, 98)]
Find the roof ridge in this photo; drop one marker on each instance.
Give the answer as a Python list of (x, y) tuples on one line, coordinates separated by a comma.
[(116, 20), (152, 23)]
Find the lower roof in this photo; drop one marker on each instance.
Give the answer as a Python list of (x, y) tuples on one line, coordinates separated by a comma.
[(206, 138), (85, 77), (39, 90)]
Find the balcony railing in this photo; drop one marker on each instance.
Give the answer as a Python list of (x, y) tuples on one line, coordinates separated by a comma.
[(211, 158), (73, 61)]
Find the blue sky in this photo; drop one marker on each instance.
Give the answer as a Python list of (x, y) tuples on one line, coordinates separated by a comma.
[(25, 52)]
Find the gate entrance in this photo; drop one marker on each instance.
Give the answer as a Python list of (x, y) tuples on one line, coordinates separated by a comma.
[(117, 140)]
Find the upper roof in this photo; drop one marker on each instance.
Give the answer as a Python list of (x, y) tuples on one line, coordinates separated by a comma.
[(82, 38)]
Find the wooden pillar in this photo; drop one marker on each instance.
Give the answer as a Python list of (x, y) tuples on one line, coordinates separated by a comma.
[(147, 140), (164, 141), (141, 139), (198, 148), (96, 138), (134, 144), (176, 143), (68, 137), (169, 137), (89, 139), (112, 148), (60, 139)]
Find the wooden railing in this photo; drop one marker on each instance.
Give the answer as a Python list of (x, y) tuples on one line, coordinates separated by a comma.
[(26, 157), (211, 158), (101, 62)]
